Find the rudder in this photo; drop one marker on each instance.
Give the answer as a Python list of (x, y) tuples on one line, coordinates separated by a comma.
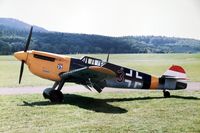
[(176, 72)]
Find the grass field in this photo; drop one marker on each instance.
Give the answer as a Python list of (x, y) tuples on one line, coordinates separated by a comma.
[(155, 64), (138, 111)]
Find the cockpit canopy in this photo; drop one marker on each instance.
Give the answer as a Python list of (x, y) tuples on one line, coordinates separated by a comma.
[(92, 61)]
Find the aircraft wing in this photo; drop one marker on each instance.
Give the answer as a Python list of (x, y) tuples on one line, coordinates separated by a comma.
[(93, 76)]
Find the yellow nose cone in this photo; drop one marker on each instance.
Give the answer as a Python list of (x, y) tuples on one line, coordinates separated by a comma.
[(21, 55)]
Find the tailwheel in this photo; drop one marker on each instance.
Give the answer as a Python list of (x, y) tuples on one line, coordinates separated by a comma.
[(56, 96), (166, 94)]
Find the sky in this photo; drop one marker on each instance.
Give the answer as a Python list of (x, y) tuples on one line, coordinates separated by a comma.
[(173, 18)]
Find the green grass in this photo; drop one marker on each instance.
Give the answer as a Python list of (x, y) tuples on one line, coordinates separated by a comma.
[(138, 111), (155, 64)]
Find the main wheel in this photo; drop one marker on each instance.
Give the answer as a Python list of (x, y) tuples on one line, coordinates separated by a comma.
[(56, 96), (166, 94), (46, 92)]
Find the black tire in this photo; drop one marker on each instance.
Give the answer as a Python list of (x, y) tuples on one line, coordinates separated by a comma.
[(166, 94), (46, 92), (56, 96)]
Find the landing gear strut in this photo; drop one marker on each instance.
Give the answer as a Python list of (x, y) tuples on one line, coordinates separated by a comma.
[(53, 94), (166, 94)]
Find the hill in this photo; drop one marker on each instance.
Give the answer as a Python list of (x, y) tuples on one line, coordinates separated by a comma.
[(19, 25), (13, 35)]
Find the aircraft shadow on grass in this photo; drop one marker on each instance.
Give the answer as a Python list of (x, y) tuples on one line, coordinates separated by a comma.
[(99, 105)]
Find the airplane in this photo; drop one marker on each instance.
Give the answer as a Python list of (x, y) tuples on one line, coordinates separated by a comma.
[(93, 73)]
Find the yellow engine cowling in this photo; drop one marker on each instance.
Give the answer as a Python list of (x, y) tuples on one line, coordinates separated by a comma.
[(47, 65)]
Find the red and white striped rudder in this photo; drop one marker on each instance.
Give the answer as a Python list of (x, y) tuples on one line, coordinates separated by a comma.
[(176, 72)]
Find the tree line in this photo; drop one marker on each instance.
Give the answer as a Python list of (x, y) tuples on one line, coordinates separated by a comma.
[(12, 40)]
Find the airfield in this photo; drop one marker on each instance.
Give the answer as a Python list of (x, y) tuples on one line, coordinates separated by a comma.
[(73, 88), (23, 109)]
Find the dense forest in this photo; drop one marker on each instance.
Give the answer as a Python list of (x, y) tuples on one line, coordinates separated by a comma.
[(12, 39)]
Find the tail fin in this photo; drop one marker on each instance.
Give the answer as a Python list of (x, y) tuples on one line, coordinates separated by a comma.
[(175, 72)]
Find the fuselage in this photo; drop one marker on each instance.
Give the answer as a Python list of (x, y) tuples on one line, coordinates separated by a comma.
[(50, 66)]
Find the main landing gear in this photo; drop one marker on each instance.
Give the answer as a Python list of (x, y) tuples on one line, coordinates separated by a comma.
[(166, 94), (53, 94)]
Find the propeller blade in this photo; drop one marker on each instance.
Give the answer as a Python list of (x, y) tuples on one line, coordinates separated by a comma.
[(26, 48), (29, 39), (21, 71), (108, 57)]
